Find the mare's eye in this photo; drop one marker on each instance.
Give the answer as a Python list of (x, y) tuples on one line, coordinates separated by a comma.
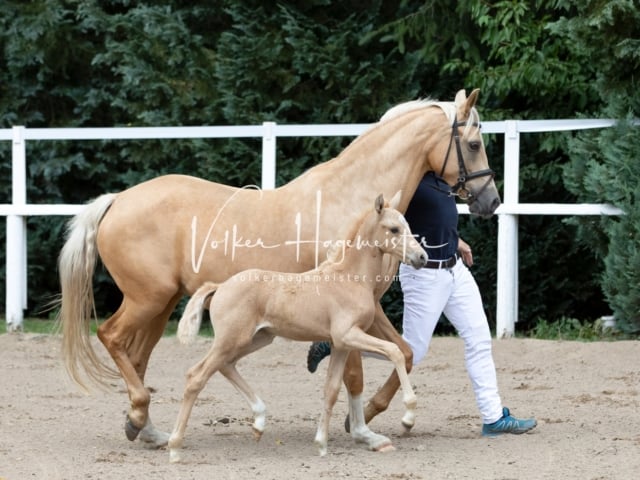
[(474, 146), (394, 230)]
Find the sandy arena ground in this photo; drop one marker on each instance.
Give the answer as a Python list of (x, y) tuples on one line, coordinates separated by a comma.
[(586, 397)]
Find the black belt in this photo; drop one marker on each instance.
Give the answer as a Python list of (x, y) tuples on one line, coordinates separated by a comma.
[(437, 264)]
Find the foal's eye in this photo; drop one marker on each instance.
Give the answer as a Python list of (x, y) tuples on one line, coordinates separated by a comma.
[(394, 230), (474, 146)]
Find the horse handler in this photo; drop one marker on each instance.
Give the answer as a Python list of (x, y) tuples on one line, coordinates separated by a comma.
[(446, 286)]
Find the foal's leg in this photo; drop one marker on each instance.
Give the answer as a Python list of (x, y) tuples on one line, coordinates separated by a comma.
[(197, 378), (331, 390), (130, 336), (257, 405), (261, 339)]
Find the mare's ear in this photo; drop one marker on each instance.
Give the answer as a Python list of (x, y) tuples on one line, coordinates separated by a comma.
[(379, 203), (464, 103), (395, 201)]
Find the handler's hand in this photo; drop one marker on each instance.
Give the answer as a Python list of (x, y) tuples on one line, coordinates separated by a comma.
[(465, 252)]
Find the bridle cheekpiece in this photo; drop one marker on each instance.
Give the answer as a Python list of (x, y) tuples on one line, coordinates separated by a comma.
[(460, 189)]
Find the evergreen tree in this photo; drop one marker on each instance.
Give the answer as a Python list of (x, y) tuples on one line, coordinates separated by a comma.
[(604, 165)]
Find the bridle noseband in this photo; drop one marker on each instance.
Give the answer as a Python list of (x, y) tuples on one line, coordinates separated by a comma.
[(460, 188)]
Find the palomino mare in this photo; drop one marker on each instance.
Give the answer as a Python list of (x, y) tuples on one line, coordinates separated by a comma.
[(335, 302), (163, 238)]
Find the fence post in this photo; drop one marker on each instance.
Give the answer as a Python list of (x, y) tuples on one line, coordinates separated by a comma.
[(507, 277), (16, 272), (268, 156)]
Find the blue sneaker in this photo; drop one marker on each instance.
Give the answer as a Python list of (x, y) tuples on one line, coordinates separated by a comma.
[(317, 351), (508, 424)]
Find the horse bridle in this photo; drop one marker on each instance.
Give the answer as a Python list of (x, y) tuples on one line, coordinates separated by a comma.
[(460, 188)]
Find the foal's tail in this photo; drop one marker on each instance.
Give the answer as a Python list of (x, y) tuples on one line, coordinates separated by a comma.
[(189, 324), (76, 265)]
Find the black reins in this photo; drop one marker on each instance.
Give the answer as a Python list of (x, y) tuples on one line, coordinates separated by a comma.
[(460, 189)]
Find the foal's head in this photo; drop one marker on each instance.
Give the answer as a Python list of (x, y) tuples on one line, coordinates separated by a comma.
[(390, 233)]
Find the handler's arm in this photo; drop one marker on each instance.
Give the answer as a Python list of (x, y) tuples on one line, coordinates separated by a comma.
[(465, 252)]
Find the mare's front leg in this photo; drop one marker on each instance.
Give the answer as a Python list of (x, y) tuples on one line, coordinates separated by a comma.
[(355, 422), (383, 329), (357, 339), (331, 389)]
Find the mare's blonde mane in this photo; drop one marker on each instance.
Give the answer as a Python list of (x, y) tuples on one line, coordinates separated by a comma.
[(449, 108)]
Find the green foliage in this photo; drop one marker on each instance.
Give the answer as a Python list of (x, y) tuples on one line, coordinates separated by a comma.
[(294, 64), (573, 329), (50, 327), (607, 170), (604, 165)]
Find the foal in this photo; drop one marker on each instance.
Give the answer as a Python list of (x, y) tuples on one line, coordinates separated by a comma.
[(332, 302)]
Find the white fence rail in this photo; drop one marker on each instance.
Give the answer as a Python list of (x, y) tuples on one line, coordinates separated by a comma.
[(507, 277)]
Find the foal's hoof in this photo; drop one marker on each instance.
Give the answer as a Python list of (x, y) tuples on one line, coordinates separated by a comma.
[(408, 421), (407, 427), (130, 430), (257, 434)]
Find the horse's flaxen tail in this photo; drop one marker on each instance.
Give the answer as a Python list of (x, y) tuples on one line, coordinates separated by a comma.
[(189, 324), (76, 266)]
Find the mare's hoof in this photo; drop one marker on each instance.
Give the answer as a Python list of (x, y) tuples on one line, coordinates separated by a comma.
[(347, 425), (130, 430), (174, 455), (385, 448)]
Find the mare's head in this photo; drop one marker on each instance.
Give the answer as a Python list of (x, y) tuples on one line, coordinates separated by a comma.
[(390, 232), (458, 154)]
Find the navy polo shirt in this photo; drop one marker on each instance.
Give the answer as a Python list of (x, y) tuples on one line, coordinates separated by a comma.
[(433, 217)]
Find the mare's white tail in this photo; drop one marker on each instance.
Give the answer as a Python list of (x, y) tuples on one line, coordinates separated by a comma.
[(76, 265), (189, 324)]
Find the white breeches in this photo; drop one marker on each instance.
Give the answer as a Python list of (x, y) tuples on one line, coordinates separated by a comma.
[(427, 294)]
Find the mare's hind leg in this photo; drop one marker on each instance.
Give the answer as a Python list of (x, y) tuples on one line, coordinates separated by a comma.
[(130, 336)]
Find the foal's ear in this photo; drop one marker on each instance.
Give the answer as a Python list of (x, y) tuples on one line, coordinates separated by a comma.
[(379, 203), (395, 200)]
